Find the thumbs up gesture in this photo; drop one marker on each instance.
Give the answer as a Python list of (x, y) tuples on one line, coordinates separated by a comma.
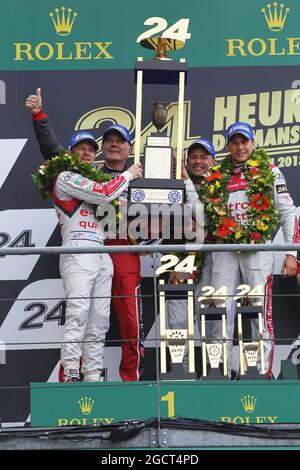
[(34, 102)]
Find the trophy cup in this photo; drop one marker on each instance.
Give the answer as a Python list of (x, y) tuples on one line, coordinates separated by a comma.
[(159, 113), (158, 186), (158, 153), (176, 339), (162, 46), (213, 351), (250, 351)]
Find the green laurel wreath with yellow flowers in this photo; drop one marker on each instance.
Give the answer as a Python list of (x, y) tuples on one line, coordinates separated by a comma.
[(46, 174), (262, 215)]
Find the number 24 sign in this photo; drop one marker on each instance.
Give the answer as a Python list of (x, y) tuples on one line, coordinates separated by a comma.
[(177, 31)]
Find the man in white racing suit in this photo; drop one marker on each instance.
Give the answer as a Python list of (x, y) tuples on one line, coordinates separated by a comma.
[(87, 277), (232, 268)]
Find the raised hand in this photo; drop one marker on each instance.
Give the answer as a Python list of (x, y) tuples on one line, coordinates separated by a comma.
[(34, 102)]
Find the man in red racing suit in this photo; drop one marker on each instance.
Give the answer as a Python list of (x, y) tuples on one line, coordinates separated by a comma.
[(126, 286)]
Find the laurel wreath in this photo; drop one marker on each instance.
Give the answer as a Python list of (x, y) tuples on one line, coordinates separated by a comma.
[(46, 174), (262, 215)]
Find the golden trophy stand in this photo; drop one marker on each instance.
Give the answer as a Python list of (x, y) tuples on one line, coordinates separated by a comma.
[(175, 339)]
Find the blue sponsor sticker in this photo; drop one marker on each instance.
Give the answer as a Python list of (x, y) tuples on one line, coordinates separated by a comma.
[(68, 176), (174, 195), (138, 195)]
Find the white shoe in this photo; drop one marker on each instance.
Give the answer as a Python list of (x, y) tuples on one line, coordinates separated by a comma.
[(71, 374), (93, 377)]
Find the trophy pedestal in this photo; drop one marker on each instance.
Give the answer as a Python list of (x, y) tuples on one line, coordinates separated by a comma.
[(160, 72), (253, 374), (148, 191), (178, 373), (175, 339), (249, 351), (160, 204), (215, 374), (213, 351)]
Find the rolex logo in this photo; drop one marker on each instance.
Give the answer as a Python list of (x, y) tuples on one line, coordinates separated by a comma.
[(275, 16), (86, 405), (63, 22), (248, 403)]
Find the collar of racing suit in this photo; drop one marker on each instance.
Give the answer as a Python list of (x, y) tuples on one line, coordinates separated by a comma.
[(238, 168), (108, 169)]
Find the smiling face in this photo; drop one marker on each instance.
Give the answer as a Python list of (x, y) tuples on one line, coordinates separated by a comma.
[(85, 150), (240, 148), (115, 150), (199, 161)]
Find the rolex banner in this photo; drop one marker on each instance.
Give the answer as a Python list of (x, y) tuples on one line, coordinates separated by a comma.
[(90, 404), (243, 62), (82, 35)]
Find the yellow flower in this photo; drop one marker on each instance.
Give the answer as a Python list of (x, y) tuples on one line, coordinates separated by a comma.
[(216, 167), (253, 162), (217, 184), (42, 170), (265, 217), (262, 226), (261, 180), (219, 210), (212, 188), (238, 235)]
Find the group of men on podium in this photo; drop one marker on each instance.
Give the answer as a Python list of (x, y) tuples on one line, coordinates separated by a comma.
[(88, 278)]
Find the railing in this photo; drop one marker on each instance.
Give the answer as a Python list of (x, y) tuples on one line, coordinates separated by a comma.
[(147, 249)]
